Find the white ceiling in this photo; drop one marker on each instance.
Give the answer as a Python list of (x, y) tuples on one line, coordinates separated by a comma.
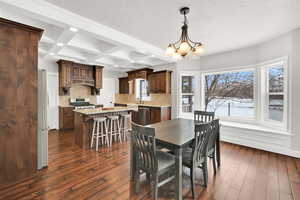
[(129, 34), (221, 25)]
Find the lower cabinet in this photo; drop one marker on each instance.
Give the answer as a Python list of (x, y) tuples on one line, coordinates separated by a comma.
[(150, 115), (66, 118)]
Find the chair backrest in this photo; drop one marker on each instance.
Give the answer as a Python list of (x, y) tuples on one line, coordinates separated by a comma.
[(202, 134), (143, 139), (203, 116), (215, 128)]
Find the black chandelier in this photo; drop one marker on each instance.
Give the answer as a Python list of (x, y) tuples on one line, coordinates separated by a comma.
[(184, 45)]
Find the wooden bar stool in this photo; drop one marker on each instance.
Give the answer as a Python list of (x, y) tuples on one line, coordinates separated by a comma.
[(99, 131), (114, 128), (125, 124)]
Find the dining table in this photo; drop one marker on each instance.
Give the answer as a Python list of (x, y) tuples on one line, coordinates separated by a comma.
[(175, 135)]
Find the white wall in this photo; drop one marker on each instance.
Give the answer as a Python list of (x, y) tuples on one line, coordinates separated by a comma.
[(284, 45)]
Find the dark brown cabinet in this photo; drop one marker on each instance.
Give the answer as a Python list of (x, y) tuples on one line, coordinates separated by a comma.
[(66, 118), (19, 100), (71, 73), (123, 85), (160, 82), (149, 115)]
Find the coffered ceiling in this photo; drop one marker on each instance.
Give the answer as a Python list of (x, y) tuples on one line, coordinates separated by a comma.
[(129, 34), (62, 40)]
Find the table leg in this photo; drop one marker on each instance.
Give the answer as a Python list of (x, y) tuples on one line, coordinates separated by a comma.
[(178, 175), (132, 160), (218, 150)]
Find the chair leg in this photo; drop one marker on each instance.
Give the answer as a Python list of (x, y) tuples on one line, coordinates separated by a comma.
[(111, 132), (205, 173), (214, 163), (148, 178), (93, 133), (192, 175), (119, 131), (137, 181), (97, 136), (106, 134), (155, 186)]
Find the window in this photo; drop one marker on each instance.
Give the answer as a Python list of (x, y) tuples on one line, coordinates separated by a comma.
[(230, 94), (187, 94), (275, 93)]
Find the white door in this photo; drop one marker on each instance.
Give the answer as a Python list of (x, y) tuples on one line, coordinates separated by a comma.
[(107, 93), (53, 100)]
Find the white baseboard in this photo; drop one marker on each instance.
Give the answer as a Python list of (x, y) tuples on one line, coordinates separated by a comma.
[(280, 144)]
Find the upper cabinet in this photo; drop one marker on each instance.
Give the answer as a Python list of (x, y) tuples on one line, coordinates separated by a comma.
[(123, 85), (160, 82), (71, 73)]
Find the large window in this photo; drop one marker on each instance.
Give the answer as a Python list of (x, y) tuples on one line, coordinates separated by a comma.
[(230, 94), (256, 94), (275, 93), (187, 94)]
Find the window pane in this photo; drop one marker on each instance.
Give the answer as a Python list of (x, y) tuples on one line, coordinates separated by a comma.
[(275, 79), (188, 84), (230, 94), (276, 107), (187, 103)]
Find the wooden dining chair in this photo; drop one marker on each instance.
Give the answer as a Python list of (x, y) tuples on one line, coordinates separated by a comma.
[(211, 147), (203, 116), (148, 160), (196, 157)]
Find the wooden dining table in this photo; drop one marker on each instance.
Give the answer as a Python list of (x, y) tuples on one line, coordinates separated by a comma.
[(176, 135)]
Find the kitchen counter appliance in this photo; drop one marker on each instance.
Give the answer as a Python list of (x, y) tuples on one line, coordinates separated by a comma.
[(81, 103)]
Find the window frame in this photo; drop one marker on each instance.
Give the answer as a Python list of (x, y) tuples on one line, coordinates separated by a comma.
[(224, 71), (265, 94), (259, 93)]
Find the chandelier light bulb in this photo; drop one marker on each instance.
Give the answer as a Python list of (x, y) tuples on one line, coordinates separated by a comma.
[(177, 56), (170, 50), (184, 47), (198, 49)]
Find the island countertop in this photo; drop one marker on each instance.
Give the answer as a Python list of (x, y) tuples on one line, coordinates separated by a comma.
[(96, 111)]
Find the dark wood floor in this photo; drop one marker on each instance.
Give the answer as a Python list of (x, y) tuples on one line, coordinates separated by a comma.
[(85, 174)]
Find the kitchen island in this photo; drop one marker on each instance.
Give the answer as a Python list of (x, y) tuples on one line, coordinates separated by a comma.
[(83, 122)]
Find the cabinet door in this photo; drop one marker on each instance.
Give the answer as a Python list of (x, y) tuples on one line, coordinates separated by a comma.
[(155, 115), (123, 85), (98, 77)]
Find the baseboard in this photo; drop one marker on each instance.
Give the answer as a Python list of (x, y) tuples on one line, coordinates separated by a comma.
[(262, 145)]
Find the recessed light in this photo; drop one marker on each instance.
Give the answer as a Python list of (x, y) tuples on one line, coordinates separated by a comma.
[(51, 54), (60, 44), (132, 61), (152, 56), (73, 29)]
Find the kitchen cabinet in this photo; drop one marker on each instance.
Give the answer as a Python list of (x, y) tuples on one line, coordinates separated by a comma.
[(123, 85), (66, 118), (71, 73), (149, 115), (160, 82), (19, 100)]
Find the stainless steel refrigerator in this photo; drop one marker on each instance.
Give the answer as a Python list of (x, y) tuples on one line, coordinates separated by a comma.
[(42, 119)]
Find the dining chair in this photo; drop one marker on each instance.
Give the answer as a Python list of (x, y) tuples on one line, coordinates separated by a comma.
[(211, 148), (203, 116), (149, 160), (196, 157)]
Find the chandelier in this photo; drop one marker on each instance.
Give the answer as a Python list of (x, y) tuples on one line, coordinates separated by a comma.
[(184, 45)]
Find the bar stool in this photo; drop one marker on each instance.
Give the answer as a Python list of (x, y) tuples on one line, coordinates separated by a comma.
[(114, 128), (99, 131), (125, 124)]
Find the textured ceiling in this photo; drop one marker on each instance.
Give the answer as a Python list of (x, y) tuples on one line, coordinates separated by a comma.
[(220, 24)]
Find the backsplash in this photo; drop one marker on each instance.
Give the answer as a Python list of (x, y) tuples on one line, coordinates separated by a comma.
[(78, 92), (156, 99)]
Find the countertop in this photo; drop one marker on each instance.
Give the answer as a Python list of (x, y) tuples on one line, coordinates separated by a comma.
[(146, 105), (107, 110)]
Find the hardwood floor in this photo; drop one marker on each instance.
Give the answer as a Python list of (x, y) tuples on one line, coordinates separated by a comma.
[(73, 173)]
